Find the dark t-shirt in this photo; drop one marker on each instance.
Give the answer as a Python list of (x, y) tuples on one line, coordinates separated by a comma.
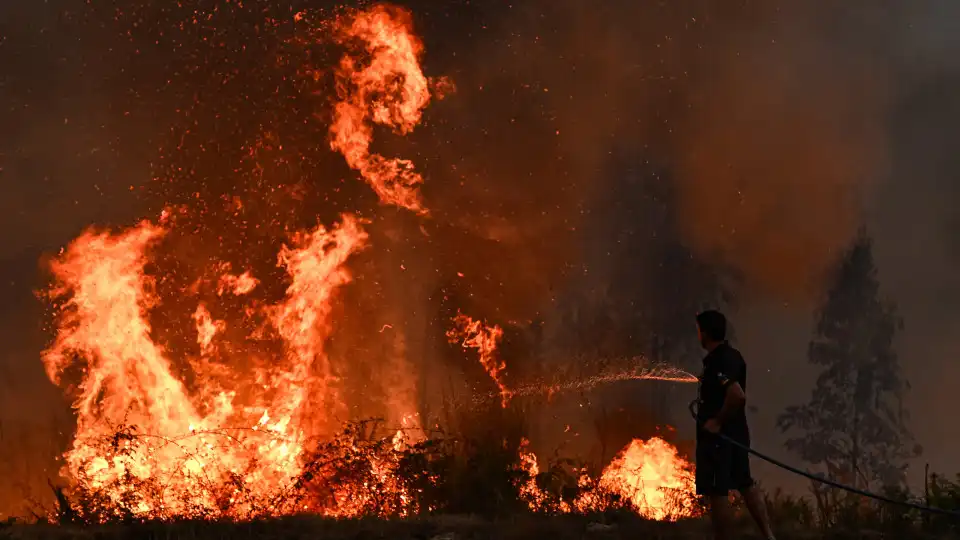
[(722, 367)]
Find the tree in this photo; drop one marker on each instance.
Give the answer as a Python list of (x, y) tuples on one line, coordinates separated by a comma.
[(639, 292), (855, 424), (661, 282)]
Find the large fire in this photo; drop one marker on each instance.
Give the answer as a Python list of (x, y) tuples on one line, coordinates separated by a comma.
[(129, 381), (235, 431)]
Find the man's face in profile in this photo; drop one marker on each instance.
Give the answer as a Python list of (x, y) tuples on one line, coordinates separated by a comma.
[(700, 337)]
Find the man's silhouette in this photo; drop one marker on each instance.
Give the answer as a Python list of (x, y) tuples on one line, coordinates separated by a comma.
[(721, 466)]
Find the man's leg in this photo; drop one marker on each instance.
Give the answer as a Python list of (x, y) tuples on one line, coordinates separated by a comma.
[(714, 465), (721, 516), (753, 496)]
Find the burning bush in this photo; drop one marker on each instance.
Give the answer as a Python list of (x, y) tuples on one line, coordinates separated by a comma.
[(358, 473), (648, 478)]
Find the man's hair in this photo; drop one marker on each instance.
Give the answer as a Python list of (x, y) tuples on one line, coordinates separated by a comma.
[(713, 324)]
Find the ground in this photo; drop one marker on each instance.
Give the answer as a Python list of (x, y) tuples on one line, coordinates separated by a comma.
[(434, 528)]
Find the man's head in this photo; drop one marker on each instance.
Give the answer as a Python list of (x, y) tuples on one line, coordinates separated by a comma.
[(711, 328)]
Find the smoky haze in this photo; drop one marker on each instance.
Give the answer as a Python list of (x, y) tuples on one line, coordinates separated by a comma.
[(585, 147)]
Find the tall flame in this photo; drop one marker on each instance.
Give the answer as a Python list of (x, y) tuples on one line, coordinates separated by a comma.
[(196, 445), (316, 269), (389, 89), (209, 427), (105, 298)]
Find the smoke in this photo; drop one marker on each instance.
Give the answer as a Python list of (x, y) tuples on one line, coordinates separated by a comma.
[(780, 128), (769, 118), (763, 134), (914, 218), (784, 135)]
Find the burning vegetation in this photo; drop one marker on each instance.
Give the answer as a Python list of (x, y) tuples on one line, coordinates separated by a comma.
[(241, 445), (254, 419)]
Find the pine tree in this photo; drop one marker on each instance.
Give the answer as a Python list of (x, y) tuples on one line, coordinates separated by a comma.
[(855, 424)]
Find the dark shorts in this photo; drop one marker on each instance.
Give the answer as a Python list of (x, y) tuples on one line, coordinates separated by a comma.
[(721, 467)]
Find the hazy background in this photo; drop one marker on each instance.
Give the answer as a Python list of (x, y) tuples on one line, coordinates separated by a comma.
[(769, 131)]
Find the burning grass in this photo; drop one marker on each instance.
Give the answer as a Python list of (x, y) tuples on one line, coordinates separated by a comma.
[(359, 473), (365, 483), (163, 437)]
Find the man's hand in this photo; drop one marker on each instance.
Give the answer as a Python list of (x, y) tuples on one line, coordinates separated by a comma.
[(712, 426)]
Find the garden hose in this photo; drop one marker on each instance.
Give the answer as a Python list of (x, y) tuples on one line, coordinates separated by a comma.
[(822, 480)]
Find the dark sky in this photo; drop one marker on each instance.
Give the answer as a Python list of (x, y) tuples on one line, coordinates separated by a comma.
[(783, 126)]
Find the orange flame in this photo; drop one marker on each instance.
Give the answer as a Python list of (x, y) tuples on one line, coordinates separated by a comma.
[(189, 445), (529, 491), (654, 477), (105, 297), (390, 90), (240, 285), (473, 334), (656, 481), (213, 439), (207, 328), (316, 268)]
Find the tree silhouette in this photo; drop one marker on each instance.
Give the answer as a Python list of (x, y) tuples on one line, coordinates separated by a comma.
[(643, 289), (855, 424)]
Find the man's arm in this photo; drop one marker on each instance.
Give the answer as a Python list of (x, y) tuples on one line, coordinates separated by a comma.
[(733, 401), (734, 398)]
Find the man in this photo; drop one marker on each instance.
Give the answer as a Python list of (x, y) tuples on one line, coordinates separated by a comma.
[(721, 466)]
